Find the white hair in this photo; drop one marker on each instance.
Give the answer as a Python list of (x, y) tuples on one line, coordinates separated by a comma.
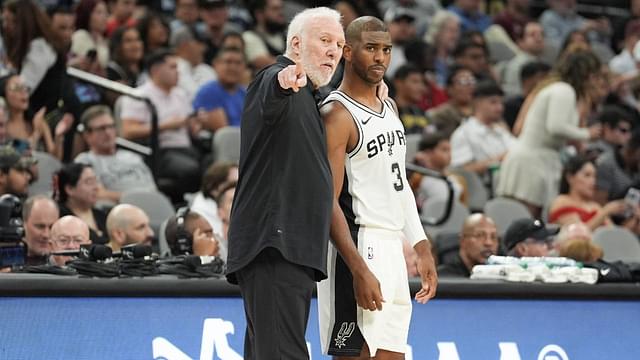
[(437, 22), (301, 21)]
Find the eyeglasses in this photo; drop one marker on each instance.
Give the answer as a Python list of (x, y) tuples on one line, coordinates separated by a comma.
[(19, 88), (65, 241), (102, 128)]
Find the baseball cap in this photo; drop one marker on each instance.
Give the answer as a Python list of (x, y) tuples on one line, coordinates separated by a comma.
[(10, 158), (398, 13), (523, 229), (212, 3)]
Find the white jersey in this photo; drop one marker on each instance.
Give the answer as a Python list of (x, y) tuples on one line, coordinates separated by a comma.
[(375, 173)]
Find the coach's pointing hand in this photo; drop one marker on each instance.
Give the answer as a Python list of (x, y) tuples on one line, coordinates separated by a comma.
[(292, 77), (367, 290)]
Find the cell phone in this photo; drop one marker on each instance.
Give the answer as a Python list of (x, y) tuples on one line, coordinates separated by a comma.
[(632, 198)]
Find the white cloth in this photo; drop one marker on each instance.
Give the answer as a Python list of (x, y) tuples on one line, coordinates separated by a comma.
[(40, 57), (82, 42), (623, 63), (168, 106), (475, 141), (191, 78), (432, 190)]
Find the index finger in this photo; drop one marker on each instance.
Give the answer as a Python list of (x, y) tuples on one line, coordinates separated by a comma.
[(299, 68)]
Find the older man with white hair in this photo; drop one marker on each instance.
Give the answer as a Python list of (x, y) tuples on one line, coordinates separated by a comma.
[(68, 233)]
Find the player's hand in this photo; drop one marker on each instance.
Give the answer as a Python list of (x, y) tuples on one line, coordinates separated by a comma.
[(427, 270), (292, 77), (382, 91), (367, 290)]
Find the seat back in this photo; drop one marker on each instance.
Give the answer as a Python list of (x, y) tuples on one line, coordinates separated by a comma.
[(618, 244), (504, 211), (226, 144), (47, 166), (436, 208), (155, 204)]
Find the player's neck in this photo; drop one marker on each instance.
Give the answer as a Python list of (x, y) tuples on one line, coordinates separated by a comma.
[(361, 91)]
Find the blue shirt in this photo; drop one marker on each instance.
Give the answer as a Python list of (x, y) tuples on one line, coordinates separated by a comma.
[(477, 21), (212, 96)]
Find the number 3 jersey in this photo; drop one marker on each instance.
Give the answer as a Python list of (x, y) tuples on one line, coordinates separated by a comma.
[(375, 191)]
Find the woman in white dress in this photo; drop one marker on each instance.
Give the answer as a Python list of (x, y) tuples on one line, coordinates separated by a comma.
[(532, 170)]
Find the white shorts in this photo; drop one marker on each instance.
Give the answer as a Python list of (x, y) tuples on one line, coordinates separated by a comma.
[(337, 310)]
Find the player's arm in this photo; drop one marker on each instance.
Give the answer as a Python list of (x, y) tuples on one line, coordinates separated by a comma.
[(414, 232), (339, 129)]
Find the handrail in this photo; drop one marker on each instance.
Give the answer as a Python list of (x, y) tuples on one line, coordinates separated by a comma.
[(449, 205)]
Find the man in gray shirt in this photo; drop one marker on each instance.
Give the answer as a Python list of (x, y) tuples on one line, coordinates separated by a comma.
[(617, 171), (117, 169)]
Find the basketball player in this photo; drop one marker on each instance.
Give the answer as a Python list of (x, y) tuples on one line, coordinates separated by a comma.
[(282, 209), (366, 149)]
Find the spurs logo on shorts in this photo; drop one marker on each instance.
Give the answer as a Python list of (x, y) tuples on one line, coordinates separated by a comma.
[(345, 332)]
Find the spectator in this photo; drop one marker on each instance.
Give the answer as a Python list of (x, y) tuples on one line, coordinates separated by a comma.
[(422, 55), (193, 73), (624, 63), (576, 200), (443, 34), (187, 15), (478, 241), (571, 232), (32, 129), (126, 52), (531, 171), (529, 237), (68, 233), (435, 154), (118, 170), (514, 18), (410, 88), (38, 214), (473, 55), (35, 52), (224, 211), (76, 190), (217, 176), (4, 119), (188, 233), (579, 250), (530, 75), (425, 9), (561, 18), (121, 15), (616, 129), (91, 23), (154, 31), (180, 162), (618, 170), (620, 25), (126, 225), (215, 14), (14, 172), (63, 24), (267, 38), (219, 103), (531, 44), (401, 24), (460, 87), (470, 14), (483, 140)]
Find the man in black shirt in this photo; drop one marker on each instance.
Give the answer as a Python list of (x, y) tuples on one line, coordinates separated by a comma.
[(283, 202)]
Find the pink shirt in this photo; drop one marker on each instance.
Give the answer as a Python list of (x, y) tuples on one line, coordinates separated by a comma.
[(168, 106)]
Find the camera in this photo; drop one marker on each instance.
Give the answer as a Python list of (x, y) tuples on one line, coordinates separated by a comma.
[(12, 250)]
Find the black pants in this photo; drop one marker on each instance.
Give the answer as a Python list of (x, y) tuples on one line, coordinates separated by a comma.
[(182, 166), (277, 296)]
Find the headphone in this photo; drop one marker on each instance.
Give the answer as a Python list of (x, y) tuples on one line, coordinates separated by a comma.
[(184, 240)]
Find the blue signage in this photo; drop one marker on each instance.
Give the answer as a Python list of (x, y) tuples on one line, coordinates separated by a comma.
[(213, 328)]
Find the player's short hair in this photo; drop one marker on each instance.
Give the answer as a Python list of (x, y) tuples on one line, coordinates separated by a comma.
[(353, 33)]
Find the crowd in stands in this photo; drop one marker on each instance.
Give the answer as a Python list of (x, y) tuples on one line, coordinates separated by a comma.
[(538, 105)]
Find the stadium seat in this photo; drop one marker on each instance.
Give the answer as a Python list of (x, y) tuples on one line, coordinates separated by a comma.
[(477, 193), (435, 210), (226, 144), (155, 204), (504, 211), (446, 246), (618, 244), (162, 240), (47, 166)]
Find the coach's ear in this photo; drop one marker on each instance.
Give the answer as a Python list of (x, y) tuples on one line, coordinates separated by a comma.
[(295, 46)]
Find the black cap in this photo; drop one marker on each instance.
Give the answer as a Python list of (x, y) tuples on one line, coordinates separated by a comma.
[(523, 229), (10, 158), (399, 13), (212, 3)]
